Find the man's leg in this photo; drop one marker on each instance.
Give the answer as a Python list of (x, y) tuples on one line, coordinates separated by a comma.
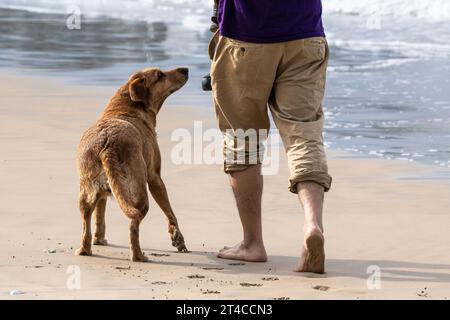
[(296, 106), (247, 187), (312, 258), (241, 89)]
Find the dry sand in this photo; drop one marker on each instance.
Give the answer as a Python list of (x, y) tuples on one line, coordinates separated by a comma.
[(372, 217)]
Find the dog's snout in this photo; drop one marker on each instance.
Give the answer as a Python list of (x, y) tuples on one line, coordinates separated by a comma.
[(184, 71)]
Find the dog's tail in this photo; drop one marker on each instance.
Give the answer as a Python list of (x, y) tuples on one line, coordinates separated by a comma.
[(126, 186)]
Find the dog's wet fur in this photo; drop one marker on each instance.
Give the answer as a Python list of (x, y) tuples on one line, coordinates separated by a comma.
[(119, 156)]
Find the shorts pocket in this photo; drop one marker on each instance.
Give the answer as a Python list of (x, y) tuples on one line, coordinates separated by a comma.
[(237, 60), (315, 48)]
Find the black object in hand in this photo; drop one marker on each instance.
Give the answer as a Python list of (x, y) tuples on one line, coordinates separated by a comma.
[(206, 83)]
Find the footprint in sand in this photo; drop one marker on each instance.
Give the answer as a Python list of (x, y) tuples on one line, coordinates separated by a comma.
[(123, 268), (321, 288), (246, 284), (210, 291), (196, 276), (270, 279), (212, 268), (423, 293), (160, 254)]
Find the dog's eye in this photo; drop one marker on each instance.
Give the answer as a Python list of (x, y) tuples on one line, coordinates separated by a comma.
[(161, 75)]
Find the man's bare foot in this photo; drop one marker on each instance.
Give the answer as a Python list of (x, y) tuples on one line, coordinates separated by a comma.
[(252, 253), (313, 256)]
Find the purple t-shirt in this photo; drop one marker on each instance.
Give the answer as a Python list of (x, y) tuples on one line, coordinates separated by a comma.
[(269, 21)]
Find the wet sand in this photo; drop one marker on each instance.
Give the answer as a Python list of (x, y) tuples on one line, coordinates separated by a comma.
[(373, 217)]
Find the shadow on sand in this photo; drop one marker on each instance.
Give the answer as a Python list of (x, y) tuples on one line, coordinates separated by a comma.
[(391, 270)]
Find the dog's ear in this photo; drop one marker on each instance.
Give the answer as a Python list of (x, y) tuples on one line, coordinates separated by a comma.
[(138, 91)]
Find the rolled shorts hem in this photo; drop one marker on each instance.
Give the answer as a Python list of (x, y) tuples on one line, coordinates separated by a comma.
[(230, 168), (322, 178)]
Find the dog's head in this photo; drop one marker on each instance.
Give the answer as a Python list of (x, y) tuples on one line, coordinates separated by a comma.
[(152, 86)]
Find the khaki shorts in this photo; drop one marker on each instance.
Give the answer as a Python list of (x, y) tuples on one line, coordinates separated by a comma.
[(288, 78)]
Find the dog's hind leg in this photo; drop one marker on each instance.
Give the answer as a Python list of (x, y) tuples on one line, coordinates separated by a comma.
[(159, 193), (136, 252), (127, 179), (100, 227), (87, 205)]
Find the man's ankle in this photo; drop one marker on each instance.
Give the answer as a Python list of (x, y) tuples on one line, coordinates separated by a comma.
[(253, 242), (312, 227)]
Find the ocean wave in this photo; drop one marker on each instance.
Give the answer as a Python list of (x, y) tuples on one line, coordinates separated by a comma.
[(411, 50), (195, 15), (431, 10), (167, 10)]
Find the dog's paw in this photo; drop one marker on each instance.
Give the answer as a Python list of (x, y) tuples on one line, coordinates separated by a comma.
[(83, 252), (182, 248), (178, 241), (139, 257), (100, 242)]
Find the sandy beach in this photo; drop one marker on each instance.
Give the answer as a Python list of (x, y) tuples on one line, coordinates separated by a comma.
[(376, 214)]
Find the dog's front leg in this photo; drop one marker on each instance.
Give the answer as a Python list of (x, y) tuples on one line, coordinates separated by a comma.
[(159, 193)]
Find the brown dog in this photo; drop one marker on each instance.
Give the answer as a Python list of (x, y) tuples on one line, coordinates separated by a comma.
[(119, 154)]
